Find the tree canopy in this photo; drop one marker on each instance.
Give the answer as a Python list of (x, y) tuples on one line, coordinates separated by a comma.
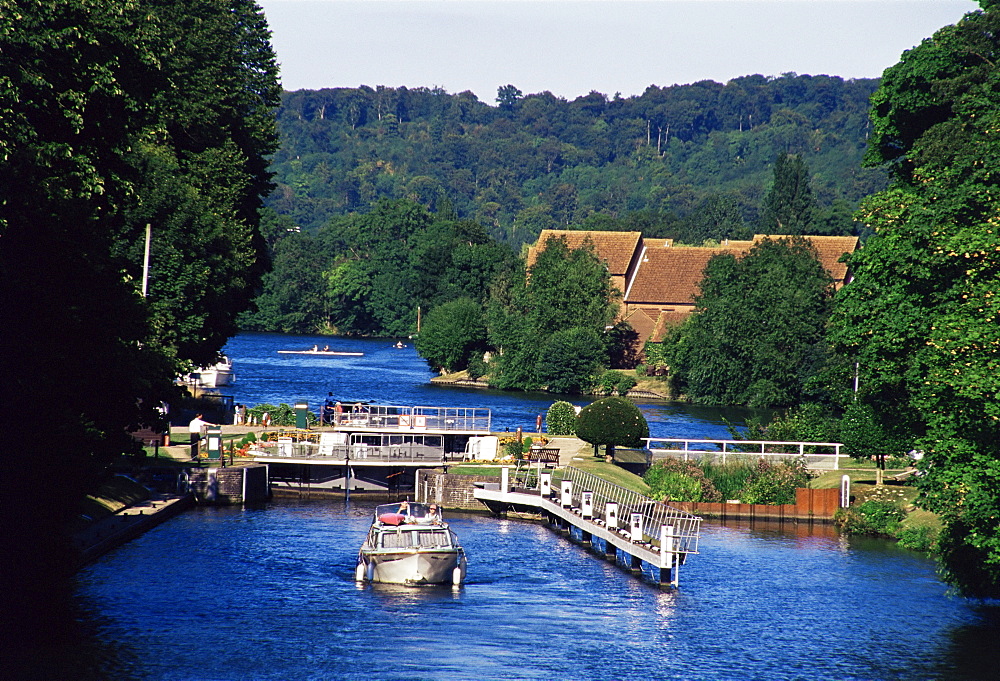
[(921, 317), (612, 422), (757, 332), (114, 116)]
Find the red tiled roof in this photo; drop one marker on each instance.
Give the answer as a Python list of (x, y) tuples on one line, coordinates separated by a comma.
[(670, 276), (614, 248)]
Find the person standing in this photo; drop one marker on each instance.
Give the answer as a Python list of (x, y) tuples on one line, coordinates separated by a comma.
[(196, 428)]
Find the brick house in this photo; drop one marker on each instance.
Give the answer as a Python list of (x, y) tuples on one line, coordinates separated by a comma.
[(659, 281)]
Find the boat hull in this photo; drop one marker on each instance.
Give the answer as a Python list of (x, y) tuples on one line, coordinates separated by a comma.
[(413, 567)]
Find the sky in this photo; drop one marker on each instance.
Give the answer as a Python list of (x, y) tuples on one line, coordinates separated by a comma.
[(571, 47)]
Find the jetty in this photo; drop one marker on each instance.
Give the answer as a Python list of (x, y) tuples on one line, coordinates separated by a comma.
[(637, 532)]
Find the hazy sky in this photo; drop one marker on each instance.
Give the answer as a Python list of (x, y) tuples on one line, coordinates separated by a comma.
[(571, 47)]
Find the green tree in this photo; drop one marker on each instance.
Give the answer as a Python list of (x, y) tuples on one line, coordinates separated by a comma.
[(758, 327), (612, 421), (452, 333), (921, 316), (560, 419), (110, 112), (569, 360), (789, 205)]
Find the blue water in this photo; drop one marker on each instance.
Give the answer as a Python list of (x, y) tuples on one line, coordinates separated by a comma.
[(232, 594), (269, 594), (386, 375)]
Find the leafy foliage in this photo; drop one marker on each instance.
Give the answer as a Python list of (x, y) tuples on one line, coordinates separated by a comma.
[(610, 422), (548, 324), (921, 317), (560, 419), (688, 162), (871, 517), (114, 116), (774, 482), (758, 327), (675, 480), (451, 334)]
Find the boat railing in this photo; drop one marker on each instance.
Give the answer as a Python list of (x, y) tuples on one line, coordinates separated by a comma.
[(354, 452), (416, 418), (652, 514)]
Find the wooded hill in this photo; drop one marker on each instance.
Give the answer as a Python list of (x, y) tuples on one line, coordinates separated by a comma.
[(687, 162)]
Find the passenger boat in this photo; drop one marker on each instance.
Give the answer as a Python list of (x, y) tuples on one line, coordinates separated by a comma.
[(219, 374), (408, 544), (322, 353)]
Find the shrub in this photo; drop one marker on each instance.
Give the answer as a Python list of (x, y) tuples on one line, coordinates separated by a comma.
[(728, 478), (774, 483), (678, 480), (872, 517), (561, 419), (280, 415), (921, 539), (625, 383), (612, 421)]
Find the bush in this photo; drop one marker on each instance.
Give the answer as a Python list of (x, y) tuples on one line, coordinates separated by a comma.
[(921, 539), (872, 517), (561, 419), (728, 478), (612, 421), (774, 483), (676, 480)]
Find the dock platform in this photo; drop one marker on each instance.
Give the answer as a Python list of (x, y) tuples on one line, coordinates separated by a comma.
[(623, 524)]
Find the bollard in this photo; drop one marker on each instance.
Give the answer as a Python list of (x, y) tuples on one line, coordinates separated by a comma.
[(545, 484), (845, 491), (611, 515), (505, 479), (587, 504), (567, 493), (668, 555), (636, 527)]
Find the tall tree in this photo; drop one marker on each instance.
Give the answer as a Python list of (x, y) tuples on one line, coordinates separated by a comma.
[(789, 205), (93, 98), (921, 317), (758, 327)]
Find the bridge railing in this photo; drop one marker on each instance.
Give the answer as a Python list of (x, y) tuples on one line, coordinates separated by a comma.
[(655, 514), (817, 455)]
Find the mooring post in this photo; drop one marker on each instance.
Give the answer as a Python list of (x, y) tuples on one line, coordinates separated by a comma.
[(845, 491), (668, 554), (611, 515), (636, 527), (587, 504), (545, 484), (505, 479), (567, 494)]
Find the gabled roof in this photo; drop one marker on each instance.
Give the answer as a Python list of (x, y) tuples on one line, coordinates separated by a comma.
[(616, 249), (670, 276)]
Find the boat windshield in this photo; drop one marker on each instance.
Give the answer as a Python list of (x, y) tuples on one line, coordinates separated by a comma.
[(411, 509), (421, 538)]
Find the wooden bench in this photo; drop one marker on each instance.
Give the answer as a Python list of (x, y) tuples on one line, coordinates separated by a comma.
[(547, 456)]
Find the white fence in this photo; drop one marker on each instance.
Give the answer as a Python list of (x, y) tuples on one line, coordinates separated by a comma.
[(817, 455)]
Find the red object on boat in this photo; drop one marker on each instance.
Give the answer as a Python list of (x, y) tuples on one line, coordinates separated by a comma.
[(392, 518)]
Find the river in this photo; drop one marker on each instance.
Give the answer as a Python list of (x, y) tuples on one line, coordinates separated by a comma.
[(222, 594)]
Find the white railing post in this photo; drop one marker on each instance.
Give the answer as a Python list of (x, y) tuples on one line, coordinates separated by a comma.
[(635, 529), (611, 515), (567, 494)]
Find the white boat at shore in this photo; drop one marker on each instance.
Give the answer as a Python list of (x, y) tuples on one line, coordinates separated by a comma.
[(407, 544), (322, 353), (217, 375)]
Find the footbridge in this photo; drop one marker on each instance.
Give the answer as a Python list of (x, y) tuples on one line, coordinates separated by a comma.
[(624, 526)]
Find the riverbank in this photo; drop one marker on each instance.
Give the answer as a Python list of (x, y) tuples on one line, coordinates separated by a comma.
[(647, 388)]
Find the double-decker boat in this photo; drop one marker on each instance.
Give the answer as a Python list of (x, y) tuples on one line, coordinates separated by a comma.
[(409, 543)]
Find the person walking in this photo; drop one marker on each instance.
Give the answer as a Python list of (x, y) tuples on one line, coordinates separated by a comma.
[(196, 429)]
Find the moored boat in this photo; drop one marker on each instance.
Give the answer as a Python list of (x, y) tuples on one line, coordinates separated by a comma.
[(217, 375), (409, 543)]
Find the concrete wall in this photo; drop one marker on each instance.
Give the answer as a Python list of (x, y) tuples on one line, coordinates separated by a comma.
[(450, 491)]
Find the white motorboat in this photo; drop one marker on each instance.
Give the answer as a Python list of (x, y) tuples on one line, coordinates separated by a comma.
[(219, 374), (408, 544)]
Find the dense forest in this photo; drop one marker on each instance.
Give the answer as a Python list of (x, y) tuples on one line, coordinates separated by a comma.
[(688, 162)]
